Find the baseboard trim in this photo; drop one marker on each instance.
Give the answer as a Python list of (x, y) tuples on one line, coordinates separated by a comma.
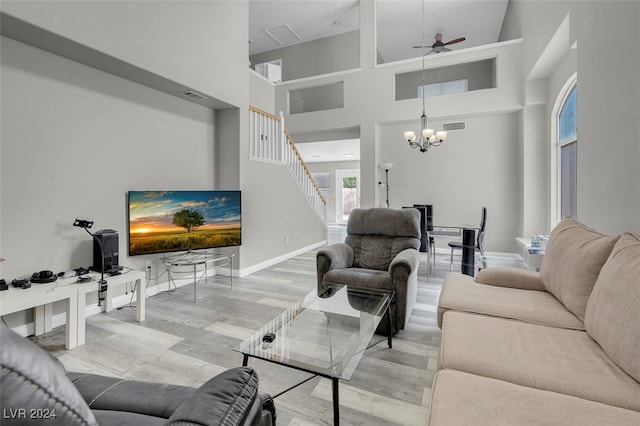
[(117, 302), (273, 261)]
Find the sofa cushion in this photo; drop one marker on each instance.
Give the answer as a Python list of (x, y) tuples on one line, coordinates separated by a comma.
[(573, 259), (613, 312), (360, 277), (119, 418), (461, 293), (376, 251), (35, 382), (487, 401), (547, 358), (116, 394)]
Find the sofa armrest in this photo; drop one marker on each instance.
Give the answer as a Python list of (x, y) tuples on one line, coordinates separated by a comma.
[(231, 398), (334, 256), (505, 276)]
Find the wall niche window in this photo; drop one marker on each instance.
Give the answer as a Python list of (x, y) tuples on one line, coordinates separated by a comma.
[(446, 80), (317, 98)]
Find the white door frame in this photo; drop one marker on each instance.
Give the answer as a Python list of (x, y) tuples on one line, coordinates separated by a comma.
[(340, 174)]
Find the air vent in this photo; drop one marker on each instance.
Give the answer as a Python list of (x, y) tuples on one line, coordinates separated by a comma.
[(283, 34), (193, 95), (449, 127)]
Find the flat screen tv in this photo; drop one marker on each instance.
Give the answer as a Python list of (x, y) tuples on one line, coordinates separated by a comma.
[(170, 221)]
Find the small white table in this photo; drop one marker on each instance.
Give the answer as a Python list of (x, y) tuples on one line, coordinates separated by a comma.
[(532, 256), (40, 297), (131, 276)]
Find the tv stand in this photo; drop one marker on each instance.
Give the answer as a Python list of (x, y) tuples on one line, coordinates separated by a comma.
[(195, 259)]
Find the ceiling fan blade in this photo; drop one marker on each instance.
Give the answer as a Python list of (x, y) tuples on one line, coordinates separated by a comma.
[(455, 40), (427, 46)]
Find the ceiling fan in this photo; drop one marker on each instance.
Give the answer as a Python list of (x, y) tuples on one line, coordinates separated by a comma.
[(439, 46)]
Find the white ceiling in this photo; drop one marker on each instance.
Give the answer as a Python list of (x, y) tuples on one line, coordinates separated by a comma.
[(399, 28), (399, 22)]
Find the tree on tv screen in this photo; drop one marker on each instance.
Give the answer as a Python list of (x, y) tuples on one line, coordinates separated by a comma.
[(188, 219)]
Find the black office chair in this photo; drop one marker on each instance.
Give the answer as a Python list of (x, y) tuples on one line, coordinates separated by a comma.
[(457, 245)]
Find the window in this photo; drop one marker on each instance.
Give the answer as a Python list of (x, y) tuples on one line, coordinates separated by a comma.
[(568, 154), (443, 88)]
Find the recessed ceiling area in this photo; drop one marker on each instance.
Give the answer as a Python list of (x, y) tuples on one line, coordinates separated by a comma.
[(308, 19), (330, 151)]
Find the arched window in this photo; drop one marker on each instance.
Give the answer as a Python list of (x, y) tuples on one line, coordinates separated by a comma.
[(568, 154)]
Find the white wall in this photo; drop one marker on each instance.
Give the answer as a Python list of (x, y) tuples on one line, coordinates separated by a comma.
[(382, 120), (200, 44), (322, 56), (608, 98), (277, 219), (468, 172), (74, 140)]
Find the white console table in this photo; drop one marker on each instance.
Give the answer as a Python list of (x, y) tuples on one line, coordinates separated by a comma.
[(131, 276), (195, 259), (532, 256), (40, 298)]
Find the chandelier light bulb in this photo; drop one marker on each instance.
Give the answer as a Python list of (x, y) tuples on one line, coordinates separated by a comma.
[(410, 136), (441, 135), (427, 133)]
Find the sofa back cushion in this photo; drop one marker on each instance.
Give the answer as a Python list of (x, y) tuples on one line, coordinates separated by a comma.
[(571, 264), (612, 317), (35, 382), (377, 235)]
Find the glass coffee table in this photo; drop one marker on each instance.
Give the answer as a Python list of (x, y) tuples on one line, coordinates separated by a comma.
[(324, 334)]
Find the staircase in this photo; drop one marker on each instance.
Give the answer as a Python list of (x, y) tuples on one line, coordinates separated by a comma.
[(269, 141)]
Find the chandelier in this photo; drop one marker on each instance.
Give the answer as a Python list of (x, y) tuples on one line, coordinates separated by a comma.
[(428, 137)]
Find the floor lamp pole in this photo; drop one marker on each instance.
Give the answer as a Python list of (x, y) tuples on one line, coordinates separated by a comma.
[(386, 178)]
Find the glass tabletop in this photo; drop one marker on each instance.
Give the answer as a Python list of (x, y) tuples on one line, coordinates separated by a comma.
[(323, 333)]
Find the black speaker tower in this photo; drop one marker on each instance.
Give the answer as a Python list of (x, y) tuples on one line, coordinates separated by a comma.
[(108, 238)]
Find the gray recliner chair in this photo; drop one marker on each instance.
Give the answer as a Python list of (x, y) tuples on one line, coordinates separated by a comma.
[(380, 251), (36, 389)]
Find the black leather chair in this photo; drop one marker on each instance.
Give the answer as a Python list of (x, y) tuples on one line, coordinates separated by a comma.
[(36, 389), (428, 223), (457, 245)]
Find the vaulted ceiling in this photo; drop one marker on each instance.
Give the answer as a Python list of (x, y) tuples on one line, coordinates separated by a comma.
[(279, 23), (275, 24)]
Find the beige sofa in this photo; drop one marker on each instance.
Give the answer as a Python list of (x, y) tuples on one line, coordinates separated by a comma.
[(561, 346)]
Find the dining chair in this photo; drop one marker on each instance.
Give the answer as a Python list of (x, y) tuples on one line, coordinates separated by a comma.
[(428, 211), (457, 245)]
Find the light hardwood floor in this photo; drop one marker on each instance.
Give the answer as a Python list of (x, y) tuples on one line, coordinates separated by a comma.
[(187, 343)]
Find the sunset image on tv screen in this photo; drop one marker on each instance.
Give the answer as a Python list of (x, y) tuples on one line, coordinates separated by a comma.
[(168, 221)]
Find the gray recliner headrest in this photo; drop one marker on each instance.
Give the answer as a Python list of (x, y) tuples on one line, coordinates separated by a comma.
[(384, 221)]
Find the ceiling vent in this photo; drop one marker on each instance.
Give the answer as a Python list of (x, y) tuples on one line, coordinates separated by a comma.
[(193, 95), (449, 127), (283, 34)]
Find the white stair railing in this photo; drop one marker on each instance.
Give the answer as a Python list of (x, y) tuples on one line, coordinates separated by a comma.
[(269, 141)]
